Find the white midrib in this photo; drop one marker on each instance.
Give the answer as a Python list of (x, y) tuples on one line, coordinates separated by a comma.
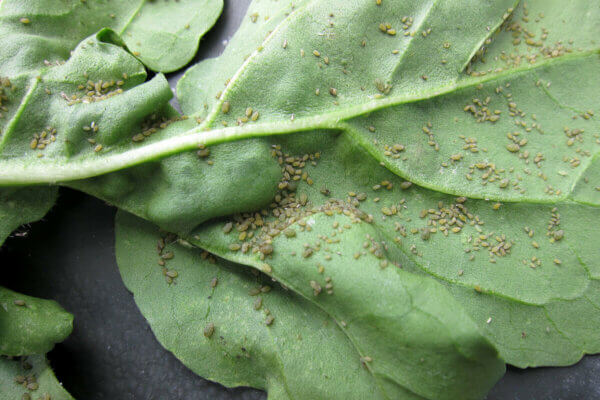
[(50, 171)]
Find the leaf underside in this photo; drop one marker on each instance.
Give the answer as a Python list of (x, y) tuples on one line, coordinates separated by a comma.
[(31, 375), (425, 175)]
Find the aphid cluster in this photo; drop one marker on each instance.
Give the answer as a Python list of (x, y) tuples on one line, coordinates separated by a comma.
[(480, 110), (165, 256), (529, 46), (95, 91), (28, 381), (454, 218), (43, 139), (153, 124), (554, 232)]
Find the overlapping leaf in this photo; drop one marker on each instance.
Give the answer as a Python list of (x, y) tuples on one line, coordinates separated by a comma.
[(31, 376), (29, 325), (527, 268), (214, 317), (164, 35), (19, 206)]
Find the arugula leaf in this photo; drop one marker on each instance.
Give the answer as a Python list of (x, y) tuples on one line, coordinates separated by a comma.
[(415, 335), (23, 205), (302, 354), (29, 325), (471, 30), (526, 273), (164, 35), (410, 81), (556, 294), (29, 375)]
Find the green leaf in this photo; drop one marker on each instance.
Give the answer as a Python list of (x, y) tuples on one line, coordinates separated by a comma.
[(19, 206), (76, 110), (39, 380), (555, 294), (29, 325), (198, 87), (421, 80), (300, 28), (536, 291), (416, 335), (302, 354), (164, 35), (67, 101)]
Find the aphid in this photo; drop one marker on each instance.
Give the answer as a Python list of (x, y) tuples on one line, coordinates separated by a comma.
[(316, 53), (258, 303), (289, 232), (19, 302), (333, 92), (405, 185), (225, 107), (227, 227), (209, 330), (25, 21), (316, 287), (558, 235), (172, 274)]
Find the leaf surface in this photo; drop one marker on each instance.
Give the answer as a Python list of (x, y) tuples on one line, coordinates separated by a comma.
[(527, 268), (30, 325), (39, 379), (19, 206), (471, 125), (164, 35), (301, 354)]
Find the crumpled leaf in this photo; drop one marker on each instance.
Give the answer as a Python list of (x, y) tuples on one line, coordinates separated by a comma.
[(187, 189), (164, 35), (65, 102), (38, 379), (42, 62), (526, 273), (30, 325), (207, 317), (19, 206)]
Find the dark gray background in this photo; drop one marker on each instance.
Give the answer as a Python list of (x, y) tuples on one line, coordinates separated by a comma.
[(112, 354)]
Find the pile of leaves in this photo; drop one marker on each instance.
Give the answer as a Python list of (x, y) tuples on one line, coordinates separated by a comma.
[(361, 199)]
